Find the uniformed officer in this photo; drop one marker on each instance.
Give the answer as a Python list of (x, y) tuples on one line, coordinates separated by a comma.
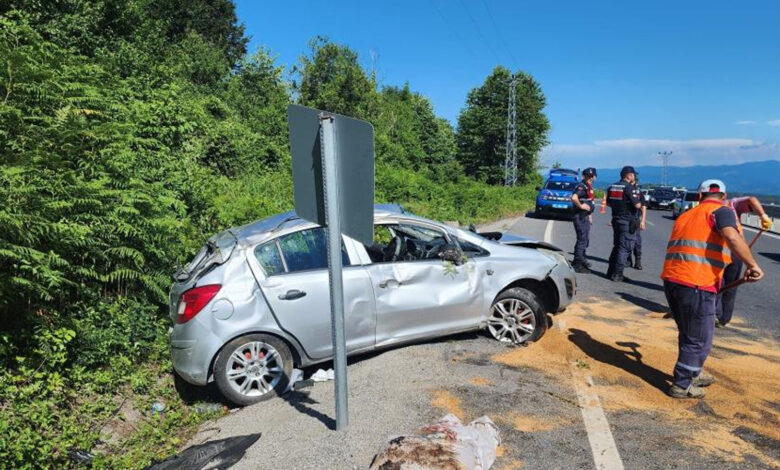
[(582, 199), (699, 249), (635, 255), (624, 200)]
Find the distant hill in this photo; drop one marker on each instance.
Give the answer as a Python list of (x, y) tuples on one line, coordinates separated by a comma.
[(753, 177)]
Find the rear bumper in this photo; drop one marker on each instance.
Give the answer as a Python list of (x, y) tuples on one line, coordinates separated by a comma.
[(193, 345)]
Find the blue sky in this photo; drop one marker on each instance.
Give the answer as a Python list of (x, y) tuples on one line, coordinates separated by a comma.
[(623, 80)]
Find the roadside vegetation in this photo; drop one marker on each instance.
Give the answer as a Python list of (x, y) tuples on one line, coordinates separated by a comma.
[(130, 132)]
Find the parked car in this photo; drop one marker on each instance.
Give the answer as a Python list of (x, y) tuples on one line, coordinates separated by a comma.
[(255, 301), (554, 196), (661, 198), (688, 200)]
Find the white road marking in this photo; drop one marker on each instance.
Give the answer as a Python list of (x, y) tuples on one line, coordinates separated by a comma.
[(649, 223), (602, 444), (548, 231), (766, 234)]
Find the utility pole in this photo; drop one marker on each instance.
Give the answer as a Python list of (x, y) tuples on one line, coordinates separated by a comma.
[(665, 159), (510, 164)]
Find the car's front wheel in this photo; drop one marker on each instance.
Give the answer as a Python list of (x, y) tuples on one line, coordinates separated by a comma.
[(517, 316), (253, 368)]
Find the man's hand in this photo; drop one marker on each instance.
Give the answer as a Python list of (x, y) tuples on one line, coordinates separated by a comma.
[(766, 222), (590, 218), (585, 206), (753, 274), (642, 225)]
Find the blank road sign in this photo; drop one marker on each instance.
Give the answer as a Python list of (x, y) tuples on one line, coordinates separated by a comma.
[(355, 163)]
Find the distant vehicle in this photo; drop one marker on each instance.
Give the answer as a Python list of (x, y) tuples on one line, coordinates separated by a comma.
[(661, 198), (645, 195), (554, 196), (689, 200), (254, 302)]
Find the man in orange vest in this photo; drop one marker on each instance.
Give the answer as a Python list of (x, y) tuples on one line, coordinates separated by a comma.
[(699, 249)]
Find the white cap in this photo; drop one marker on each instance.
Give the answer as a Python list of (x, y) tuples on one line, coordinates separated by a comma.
[(712, 186)]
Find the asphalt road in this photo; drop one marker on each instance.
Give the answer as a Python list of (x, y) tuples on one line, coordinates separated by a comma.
[(758, 304), (589, 395)]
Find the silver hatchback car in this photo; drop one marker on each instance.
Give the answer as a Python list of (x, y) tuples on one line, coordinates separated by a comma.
[(254, 302)]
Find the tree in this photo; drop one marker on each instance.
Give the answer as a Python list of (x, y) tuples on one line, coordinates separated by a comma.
[(331, 78), (481, 134)]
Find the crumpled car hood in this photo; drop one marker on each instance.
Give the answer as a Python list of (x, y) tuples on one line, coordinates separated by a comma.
[(517, 240)]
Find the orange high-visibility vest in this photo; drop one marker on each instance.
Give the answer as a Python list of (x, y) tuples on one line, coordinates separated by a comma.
[(697, 254)]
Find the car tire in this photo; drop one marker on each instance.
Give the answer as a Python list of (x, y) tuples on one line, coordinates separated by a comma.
[(244, 372), (507, 325)]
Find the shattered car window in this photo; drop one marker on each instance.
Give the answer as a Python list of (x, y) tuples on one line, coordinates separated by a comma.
[(405, 242), (307, 250), (470, 249), (268, 257)]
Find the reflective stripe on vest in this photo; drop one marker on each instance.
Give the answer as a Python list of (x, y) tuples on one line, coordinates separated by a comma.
[(697, 244), (696, 259)]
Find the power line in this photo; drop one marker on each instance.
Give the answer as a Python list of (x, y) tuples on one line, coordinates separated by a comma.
[(500, 36), (479, 31), (455, 32)]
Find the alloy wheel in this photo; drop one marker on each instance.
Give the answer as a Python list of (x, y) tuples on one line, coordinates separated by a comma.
[(511, 321), (254, 369)]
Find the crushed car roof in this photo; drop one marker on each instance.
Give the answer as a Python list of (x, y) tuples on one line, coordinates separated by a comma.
[(291, 219)]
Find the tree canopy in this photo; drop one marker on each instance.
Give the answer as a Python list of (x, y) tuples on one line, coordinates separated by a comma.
[(481, 134)]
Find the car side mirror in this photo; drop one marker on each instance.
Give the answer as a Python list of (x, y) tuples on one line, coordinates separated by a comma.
[(452, 254)]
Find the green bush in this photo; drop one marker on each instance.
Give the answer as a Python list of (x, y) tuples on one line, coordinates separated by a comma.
[(130, 132)]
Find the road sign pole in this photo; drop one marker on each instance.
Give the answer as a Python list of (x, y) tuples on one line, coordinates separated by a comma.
[(330, 180)]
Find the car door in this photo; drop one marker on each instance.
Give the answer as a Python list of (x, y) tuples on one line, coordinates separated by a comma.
[(296, 287), (417, 294)]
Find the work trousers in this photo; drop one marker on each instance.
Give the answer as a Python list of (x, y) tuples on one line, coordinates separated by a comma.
[(582, 230), (622, 243), (694, 312), (727, 298), (637, 251)]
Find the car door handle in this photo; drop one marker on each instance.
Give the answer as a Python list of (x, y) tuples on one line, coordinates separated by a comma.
[(292, 294), (389, 282)]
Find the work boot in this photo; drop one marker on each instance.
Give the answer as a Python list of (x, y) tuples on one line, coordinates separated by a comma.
[(587, 264), (581, 269), (617, 277), (638, 263), (719, 324), (704, 379), (675, 391)]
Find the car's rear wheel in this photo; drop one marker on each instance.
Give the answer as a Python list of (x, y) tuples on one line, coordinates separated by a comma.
[(517, 316), (253, 368)]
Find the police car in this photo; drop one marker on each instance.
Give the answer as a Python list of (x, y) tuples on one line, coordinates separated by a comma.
[(555, 195)]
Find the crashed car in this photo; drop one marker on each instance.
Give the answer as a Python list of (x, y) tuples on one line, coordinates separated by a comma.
[(688, 201), (254, 303)]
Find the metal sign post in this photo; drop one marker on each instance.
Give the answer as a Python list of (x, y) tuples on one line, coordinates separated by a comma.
[(333, 181), (330, 178)]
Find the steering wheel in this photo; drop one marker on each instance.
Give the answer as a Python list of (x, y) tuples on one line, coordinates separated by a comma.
[(392, 250)]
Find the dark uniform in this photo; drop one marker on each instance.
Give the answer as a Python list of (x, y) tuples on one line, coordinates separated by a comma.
[(622, 198), (582, 224), (636, 251)]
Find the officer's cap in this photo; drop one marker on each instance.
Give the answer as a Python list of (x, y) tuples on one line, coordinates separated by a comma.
[(589, 171), (626, 170)]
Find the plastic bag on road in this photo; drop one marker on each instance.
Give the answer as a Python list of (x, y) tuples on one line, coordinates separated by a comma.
[(447, 444), (323, 375)]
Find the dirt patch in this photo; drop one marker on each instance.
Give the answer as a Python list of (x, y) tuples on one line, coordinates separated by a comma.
[(448, 403), (512, 465), (630, 353), (530, 423), (480, 381)]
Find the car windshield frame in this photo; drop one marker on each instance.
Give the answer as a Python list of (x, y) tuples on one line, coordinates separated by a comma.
[(691, 197)]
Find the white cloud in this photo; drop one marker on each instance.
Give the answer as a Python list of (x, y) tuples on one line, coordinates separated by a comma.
[(640, 152), (746, 123), (775, 122)]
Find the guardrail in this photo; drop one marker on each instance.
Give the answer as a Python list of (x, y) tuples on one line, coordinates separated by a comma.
[(752, 220)]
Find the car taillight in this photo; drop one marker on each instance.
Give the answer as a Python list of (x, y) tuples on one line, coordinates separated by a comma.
[(193, 301)]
